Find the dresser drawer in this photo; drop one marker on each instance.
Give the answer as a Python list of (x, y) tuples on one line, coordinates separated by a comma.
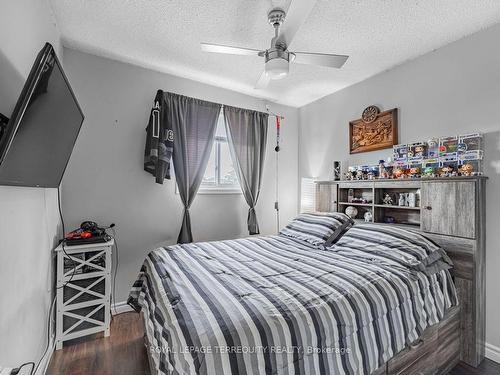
[(423, 366), (418, 358)]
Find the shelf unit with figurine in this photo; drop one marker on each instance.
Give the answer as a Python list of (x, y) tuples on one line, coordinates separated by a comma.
[(382, 201), (405, 202)]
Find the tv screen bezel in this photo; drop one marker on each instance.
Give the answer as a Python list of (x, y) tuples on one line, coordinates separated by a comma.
[(23, 101)]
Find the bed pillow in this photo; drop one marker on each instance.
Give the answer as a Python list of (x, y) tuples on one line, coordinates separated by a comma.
[(396, 244), (317, 227)]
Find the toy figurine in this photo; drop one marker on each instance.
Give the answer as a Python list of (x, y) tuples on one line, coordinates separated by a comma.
[(352, 172), (402, 199), (382, 171), (411, 200), (387, 200), (446, 171), (462, 147), (364, 175), (359, 174), (429, 172), (398, 173), (466, 170), (368, 216), (415, 172), (419, 151), (371, 175), (432, 148)]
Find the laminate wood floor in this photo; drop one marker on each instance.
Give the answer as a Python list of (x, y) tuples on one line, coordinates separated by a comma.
[(124, 353)]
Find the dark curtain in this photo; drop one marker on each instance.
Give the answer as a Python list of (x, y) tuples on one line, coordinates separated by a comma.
[(193, 123), (247, 135)]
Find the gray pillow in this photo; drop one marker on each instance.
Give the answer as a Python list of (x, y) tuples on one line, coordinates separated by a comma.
[(316, 228)]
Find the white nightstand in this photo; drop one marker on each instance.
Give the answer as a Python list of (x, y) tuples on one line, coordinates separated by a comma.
[(83, 304)]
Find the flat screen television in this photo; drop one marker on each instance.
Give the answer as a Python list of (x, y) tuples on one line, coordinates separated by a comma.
[(39, 138)]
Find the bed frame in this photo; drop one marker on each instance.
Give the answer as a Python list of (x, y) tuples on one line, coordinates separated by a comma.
[(460, 336), (452, 213)]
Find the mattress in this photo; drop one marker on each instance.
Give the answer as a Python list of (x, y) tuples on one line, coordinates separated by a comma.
[(276, 305)]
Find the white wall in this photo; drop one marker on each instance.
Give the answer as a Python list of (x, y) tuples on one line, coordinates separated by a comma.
[(29, 218), (25, 27), (28, 231), (105, 180), (453, 90)]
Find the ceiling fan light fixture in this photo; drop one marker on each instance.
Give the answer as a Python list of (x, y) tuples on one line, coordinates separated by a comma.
[(277, 68)]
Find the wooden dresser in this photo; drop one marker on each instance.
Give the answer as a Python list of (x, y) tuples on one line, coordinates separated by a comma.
[(451, 212)]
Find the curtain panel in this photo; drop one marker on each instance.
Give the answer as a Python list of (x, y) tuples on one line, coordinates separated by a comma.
[(193, 122), (247, 136)]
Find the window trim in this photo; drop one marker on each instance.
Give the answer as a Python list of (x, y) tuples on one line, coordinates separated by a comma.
[(219, 188)]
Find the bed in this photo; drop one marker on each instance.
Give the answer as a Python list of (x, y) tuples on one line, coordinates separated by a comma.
[(283, 305)]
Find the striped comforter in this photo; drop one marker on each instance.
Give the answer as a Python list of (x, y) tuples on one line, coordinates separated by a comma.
[(276, 305)]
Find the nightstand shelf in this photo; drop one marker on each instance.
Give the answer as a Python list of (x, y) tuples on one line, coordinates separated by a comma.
[(83, 291), (397, 207), (356, 204)]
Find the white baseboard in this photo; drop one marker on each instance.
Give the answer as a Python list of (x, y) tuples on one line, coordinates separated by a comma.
[(493, 352), (45, 361), (120, 307)]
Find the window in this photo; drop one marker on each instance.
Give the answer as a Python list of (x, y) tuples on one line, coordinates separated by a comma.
[(220, 175)]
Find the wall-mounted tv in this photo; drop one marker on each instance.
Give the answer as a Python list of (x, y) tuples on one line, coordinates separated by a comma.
[(39, 138)]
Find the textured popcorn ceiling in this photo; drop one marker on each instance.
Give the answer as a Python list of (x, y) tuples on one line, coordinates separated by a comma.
[(165, 35)]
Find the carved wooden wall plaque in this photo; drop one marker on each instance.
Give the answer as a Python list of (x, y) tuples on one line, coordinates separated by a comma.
[(375, 130)]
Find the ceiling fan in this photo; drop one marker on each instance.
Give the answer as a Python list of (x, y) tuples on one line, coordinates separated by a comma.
[(278, 57)]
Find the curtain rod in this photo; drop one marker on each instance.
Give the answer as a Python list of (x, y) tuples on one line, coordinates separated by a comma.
[(274, 114), (267, 110), (222, 105)]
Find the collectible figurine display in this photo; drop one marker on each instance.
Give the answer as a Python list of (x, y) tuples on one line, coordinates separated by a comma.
[(411, 200), (337, 171), (382, 171), (446, 171), (415, 172), (432, 148), (466, 170), (399, 173), (388, 200), (402, 200), (429, 172), (443, 157)]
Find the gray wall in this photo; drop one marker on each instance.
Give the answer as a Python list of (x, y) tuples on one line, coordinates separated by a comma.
[(105, 180), (453, 90), (29, 219)]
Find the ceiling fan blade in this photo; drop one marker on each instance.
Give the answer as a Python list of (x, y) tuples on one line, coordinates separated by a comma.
[(220, 48), (263, 81), (322, 59), (295, 16)]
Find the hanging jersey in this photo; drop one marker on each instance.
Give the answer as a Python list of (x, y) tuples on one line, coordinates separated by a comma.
[(159, 142)]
